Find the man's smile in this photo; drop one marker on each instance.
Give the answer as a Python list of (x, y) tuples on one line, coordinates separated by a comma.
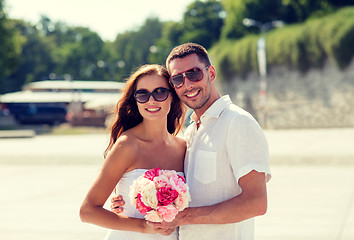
[(192, 94)]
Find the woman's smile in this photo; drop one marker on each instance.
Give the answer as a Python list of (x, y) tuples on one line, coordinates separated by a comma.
[(153, 109)]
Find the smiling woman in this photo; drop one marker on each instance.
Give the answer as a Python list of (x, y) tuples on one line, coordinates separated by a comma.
[(148, 117), (111, 17), (129, 113)]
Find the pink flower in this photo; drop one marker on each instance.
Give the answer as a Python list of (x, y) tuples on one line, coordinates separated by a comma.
[(182, 178), (152, 173), (166, 195), (167, 213), (159, 194), (142, 208), (178, 184), (161, 181), (182, 200)]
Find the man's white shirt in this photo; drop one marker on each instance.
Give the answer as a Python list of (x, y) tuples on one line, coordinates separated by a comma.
[(228, 145)]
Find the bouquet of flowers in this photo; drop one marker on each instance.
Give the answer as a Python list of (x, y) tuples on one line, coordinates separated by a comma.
[(159, 194)]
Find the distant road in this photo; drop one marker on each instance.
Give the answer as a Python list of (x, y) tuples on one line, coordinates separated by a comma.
[(307, 146), (54, 149)]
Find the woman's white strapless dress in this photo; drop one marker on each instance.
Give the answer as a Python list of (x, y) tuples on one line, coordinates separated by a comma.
[(123, 188)]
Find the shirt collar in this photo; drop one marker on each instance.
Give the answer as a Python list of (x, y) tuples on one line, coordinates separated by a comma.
[(215, 109)]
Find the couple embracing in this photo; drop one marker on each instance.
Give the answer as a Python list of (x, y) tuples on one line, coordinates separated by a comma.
[(223, 156)]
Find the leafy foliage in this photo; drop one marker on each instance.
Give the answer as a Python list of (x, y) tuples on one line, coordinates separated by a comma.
[(289, 11), (297, 46), (9, 50), (55, 50), (36, 59), (202, 23), (134, 47)]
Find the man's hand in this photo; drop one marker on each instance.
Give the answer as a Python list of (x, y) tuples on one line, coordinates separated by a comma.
[(168, 226), (154, 227), (117, 204), (163, 228)]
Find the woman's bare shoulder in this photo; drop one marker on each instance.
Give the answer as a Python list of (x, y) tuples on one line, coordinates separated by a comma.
[(124, 150), (126, 142), (180, 142)]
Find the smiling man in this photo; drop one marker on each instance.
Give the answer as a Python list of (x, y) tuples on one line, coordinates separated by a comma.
[(226, 163)]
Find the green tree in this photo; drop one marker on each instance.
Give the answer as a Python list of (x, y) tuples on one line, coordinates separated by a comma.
[(300, 47), (236, 11), (202, 23), (289, 11), (79, 56), (133, 48), (341, 3), (171, 33), (36, 55), (10, 45), (55, 50), (45, 25)]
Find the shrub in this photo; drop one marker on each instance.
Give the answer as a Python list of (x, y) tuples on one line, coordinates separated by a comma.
[(299, 46)]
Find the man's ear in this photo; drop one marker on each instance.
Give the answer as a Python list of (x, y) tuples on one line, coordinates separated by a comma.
[(212, 72)]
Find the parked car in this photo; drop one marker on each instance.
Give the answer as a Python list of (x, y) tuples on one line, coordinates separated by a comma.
[(38, 114), (6, 119)]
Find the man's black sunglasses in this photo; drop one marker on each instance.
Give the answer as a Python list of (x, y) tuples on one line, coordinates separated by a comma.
[(195, 74)]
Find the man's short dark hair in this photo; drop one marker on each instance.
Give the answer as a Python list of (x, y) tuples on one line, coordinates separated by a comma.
[(186, 49)]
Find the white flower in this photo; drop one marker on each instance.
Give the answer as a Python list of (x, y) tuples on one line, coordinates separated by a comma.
[(137, 187), (149, 195), (168, 173), (153, 216)]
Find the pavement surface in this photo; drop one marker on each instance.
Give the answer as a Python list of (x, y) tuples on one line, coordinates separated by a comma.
[(43, 180), (17, 133)]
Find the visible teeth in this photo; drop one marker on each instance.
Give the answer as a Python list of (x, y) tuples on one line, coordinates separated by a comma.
[(153, 109), (192, 94)]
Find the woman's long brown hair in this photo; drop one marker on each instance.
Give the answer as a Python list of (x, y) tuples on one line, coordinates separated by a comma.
[(126, 114)]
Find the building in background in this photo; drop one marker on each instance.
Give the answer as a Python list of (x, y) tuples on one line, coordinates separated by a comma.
[(81, 103)]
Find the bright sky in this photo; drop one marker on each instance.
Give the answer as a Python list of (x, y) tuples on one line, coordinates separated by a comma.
[(106, 17)]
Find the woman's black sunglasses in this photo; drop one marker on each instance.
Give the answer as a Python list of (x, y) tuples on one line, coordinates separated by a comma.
[(195, 74), (159, 94)]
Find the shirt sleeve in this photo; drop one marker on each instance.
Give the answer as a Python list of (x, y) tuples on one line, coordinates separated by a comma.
[(247, 147)]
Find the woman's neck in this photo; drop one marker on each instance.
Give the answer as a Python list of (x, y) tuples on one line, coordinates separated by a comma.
[(153, 130)]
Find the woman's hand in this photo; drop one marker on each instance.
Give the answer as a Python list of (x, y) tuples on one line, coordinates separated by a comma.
[(117, 204)]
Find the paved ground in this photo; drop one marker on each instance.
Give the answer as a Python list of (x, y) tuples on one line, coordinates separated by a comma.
[(311, 194), (312, 146)]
